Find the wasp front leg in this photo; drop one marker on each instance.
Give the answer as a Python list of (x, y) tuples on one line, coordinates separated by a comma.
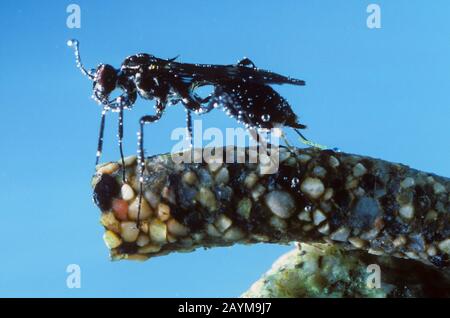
[(122, 102)]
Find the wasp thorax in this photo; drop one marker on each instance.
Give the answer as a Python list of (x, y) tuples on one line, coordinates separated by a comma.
[(105, 79)]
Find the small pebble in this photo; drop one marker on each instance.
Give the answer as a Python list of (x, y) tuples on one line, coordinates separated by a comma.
[(359, 170), (351, 183), (109, 221), (432, 215), (278, 223), (223, 223), (319, 171), (370, 234), (244, 208), (250, 180), (291, 162), (438, 188), (359, 192), (407, 183), (234, 234), (444, 246), (158, 231), (212, 231), (304, 158), (136, 257), (356, 242), (176, 228), (152, 198), (120, 208), (318, 216), (431, 250), (108, 168), (223, 176), (130, 160), (163, 212), (333, 161), (341, 234), (168, 194), (198, 237), (146, 210), (399, 241), (171, 238), (324, 229), (313, 187), (214, 166), (407, 211), (207, 199), (129, 231), (411, 255), (127, 192), (142, 240), (304, 216), (258, 191), (149, 248), (280, 203), (189, 178), (143, 226), (260, 237), (284, 155), (375, 251), (328, 194), (267, 165), (112, 240)]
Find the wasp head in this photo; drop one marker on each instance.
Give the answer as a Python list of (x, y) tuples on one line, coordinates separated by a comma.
[(105, 81)]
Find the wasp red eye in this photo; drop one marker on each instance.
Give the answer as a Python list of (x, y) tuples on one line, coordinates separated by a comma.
[(106, 78)]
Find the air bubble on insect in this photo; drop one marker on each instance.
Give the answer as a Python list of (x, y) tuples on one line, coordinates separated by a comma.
[(294, 182), (72, 42), (265, 118)]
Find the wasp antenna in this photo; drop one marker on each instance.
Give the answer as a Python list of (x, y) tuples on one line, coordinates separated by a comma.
[(76, 46)]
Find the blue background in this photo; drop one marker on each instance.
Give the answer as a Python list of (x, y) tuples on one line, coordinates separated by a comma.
[(382, 93)]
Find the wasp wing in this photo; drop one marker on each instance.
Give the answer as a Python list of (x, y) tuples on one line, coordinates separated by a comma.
[(220, 74)]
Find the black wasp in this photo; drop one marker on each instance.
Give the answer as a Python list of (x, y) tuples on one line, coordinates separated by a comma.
[(241, 89)]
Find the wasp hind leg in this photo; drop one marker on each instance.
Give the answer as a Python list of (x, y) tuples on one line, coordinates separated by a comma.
[(189, 135), (310, 143), (148, 119), (120, 136)]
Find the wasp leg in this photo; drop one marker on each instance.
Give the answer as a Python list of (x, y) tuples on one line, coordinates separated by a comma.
[(120, 103), (120, 136), (307, 142), (288, 144), (189, 136), (100, 137), (246, 62), (148, 119)]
